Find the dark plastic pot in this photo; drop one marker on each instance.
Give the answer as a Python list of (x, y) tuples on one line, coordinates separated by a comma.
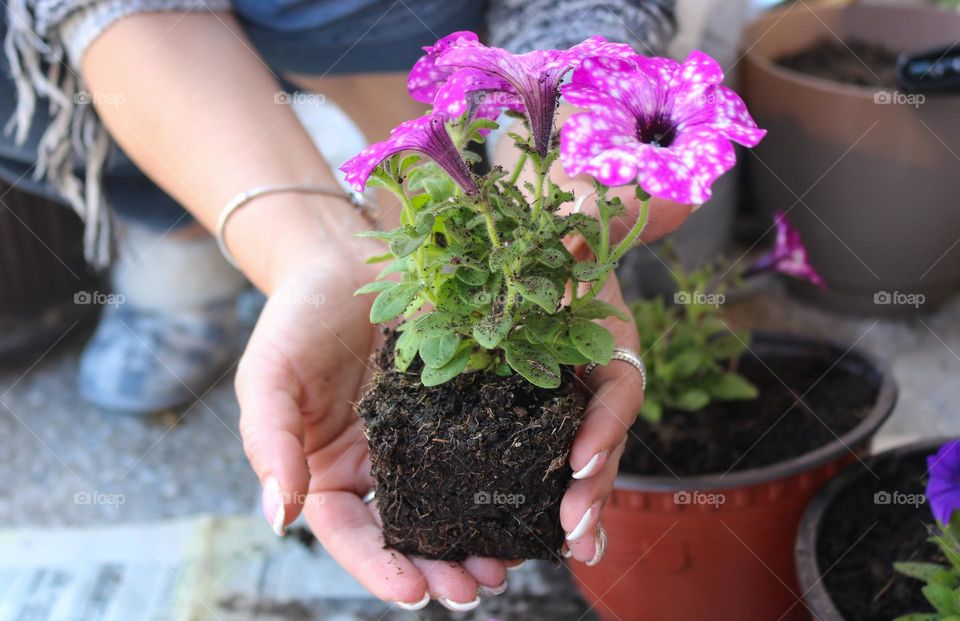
[(816, 598), (871, 185), (729, 561)]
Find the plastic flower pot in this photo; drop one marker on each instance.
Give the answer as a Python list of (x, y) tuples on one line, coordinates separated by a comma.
[(882, 505), (732, 559), (859, 170)]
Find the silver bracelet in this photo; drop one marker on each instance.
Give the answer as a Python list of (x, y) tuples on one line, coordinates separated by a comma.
[(354, 198)]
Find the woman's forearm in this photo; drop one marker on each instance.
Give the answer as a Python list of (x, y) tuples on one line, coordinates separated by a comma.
[(193, 106)]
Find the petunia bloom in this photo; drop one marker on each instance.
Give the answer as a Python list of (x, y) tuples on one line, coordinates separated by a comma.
[(943, 487), (789, 255), (426, 77), (656, 122), (535, 76), (427, 135)]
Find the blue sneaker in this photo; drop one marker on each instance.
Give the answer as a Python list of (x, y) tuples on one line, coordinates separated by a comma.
[(170, 329), (143, 361)]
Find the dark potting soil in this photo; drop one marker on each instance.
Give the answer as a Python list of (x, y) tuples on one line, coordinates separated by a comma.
[(855, 62), (476, 466), (862, 536), (739, 435)]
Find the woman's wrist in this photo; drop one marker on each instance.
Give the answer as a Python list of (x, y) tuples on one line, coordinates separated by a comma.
[(276, 237)]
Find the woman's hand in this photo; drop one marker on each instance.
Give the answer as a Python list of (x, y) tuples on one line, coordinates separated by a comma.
[(306, 364)]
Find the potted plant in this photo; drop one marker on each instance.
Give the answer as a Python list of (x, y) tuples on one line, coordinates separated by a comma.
[(881, 540), (474, 403), (737, 432), (849, 148)]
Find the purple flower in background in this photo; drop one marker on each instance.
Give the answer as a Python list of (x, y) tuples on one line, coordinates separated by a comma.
[(943, 488), (789, 255), (427, 135), (535, 76), (656, 122)]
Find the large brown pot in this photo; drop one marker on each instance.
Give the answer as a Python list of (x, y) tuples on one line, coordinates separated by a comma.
[(872, 186), (729, 560)]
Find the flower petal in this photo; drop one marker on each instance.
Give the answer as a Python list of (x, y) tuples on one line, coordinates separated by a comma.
[(426, 77), (589, 144), (474, 89)]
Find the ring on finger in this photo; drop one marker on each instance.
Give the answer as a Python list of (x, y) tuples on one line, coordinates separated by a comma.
[(623, 355)]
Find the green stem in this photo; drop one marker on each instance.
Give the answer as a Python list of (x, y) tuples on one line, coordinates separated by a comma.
[(538, 198), (518, 168), (625, 244)]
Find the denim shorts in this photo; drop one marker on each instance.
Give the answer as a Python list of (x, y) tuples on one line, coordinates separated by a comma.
[(292, 36)]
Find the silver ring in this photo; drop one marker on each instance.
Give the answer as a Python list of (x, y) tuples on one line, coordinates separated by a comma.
[(369, 497), (623, 355)]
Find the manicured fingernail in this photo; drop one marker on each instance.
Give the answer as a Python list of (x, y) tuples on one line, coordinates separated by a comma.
[(457, 606), (491, 591), (415, 605), (601, 546), (516, 567), (369, 497), (273, 506), (592, 466), (565, 551), (581, 528)]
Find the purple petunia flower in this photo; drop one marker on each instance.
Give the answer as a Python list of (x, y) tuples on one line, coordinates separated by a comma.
[(427, 135), (426, 77), (789, 255), (535, 76), (943, 488), (656, 122)]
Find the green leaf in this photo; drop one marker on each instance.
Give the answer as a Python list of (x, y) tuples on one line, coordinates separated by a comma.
[(598, 309), (940, 597), (923, 616), (652, 409), (553, 257), (405, 350), (437, 323), (692, 400), (588, 271), (592, 340), (586, 226), (437, 351), (920, 571), (539, 290), (733, 387), (439, 188), (379, 258), (392, 302), (492, 329), (686, 363), (536, 365), (565, 352), (434, 377), (472, 276), (374, 287)]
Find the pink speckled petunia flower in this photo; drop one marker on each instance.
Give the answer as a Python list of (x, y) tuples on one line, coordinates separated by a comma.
[(789, 255), (653, 121), (427, 135), (426, 77), (535, 76)]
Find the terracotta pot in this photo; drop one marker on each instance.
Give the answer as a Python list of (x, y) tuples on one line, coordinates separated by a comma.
[(816, 597), (729, 560), (871, 185)]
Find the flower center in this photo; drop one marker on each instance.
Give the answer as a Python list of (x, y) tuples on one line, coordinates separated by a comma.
[(658, 131)]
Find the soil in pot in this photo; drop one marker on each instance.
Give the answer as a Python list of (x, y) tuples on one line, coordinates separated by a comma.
[(861, 580), (740, 435), (854, 62), (475, 466)]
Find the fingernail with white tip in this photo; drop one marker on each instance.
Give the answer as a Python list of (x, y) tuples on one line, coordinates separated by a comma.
[(415, 605), (581, 527), (565, 551), (492, 591), (457, 606), (273, 506), (592, 466), (601, 546), (517, 566)]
